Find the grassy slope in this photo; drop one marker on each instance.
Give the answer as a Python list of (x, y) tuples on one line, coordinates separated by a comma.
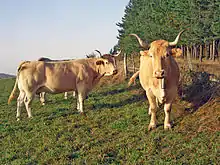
[(114, 132)]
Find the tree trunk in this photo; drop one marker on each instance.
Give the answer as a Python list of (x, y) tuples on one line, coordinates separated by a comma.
[(133, 63), (125, 65), (210, 51), (189, 58), (217, 49), (213, 50), (196, 52), (200, 52), (182, 48), (205, 51)]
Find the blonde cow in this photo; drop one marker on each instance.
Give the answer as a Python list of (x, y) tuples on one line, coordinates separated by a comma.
[(43, 94), (159, 75), (60, 76)]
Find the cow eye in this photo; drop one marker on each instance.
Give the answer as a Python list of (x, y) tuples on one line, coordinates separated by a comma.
[(106, 62), (150, 55)]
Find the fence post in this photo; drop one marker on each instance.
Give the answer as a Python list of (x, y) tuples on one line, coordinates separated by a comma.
[(133, 63), (125, 65)]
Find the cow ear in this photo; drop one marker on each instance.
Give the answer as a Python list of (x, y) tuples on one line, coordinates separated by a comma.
[(176, 52), (144, 53), (99, 62)]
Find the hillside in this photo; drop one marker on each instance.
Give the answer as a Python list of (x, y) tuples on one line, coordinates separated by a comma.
[(115, 130), (3, 75)]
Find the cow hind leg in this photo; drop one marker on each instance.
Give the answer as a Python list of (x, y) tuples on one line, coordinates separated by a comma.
[(27, 102), (152, 110), (42, 98), (74, 93), (65, 95), (20, 101)]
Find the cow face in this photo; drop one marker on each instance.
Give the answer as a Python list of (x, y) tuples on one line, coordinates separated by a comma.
[(160, 58), (107, 66), (160, 52)]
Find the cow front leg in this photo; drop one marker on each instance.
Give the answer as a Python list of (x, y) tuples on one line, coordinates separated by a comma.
[(167, 110), (152, 110), (80, 103)]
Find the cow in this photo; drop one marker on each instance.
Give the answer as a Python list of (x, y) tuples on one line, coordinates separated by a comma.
[(159, 75), (80, 75), (43, 94)]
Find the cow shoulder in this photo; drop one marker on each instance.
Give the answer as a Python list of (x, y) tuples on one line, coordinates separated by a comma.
[(83, 74)]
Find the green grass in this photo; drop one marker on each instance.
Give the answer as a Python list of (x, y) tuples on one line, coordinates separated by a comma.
[(114, 132)]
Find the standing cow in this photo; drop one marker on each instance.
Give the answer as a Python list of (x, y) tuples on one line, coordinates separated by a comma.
[(159, 75), (43, 94), (60, 76)]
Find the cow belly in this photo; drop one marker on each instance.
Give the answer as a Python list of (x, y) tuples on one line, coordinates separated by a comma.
[(58, 84)]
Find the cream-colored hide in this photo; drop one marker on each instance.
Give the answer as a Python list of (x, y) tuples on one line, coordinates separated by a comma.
[(159, 76), (60, 76)]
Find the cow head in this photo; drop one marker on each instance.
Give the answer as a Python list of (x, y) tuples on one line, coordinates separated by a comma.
[(107, 64), (160, 52)]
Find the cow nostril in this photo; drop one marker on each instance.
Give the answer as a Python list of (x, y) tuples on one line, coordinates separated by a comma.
[(162, 73), (115, 72)]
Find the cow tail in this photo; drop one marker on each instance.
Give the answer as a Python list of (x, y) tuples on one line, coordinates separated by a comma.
[(133, 78), (12, 95)]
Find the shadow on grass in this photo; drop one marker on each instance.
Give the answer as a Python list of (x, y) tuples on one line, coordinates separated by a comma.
[(61, 112), (199, 88), (116, 91), (132, 99)]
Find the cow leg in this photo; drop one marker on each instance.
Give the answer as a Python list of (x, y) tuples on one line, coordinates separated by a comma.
[(167, 110), (74, 93), (42, 98), (20, 101), (152, 110), (80, 103), (27, 102), (65, 95)]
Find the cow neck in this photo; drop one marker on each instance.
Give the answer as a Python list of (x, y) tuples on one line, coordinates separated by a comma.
[(97, 73)]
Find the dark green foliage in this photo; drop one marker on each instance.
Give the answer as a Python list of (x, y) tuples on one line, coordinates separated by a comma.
[(163, 19)]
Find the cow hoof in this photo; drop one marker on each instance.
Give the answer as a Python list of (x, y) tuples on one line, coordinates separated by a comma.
[(18, 119), (151, 127), (43, 104), (167, 127), (83, 114)]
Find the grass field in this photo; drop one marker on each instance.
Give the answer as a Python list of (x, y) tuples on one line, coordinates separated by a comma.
[(114, 132)]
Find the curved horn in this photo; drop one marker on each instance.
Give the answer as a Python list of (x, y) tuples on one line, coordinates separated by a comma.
[(141, 42), (116, 55), (99, 52), (176, 40)]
